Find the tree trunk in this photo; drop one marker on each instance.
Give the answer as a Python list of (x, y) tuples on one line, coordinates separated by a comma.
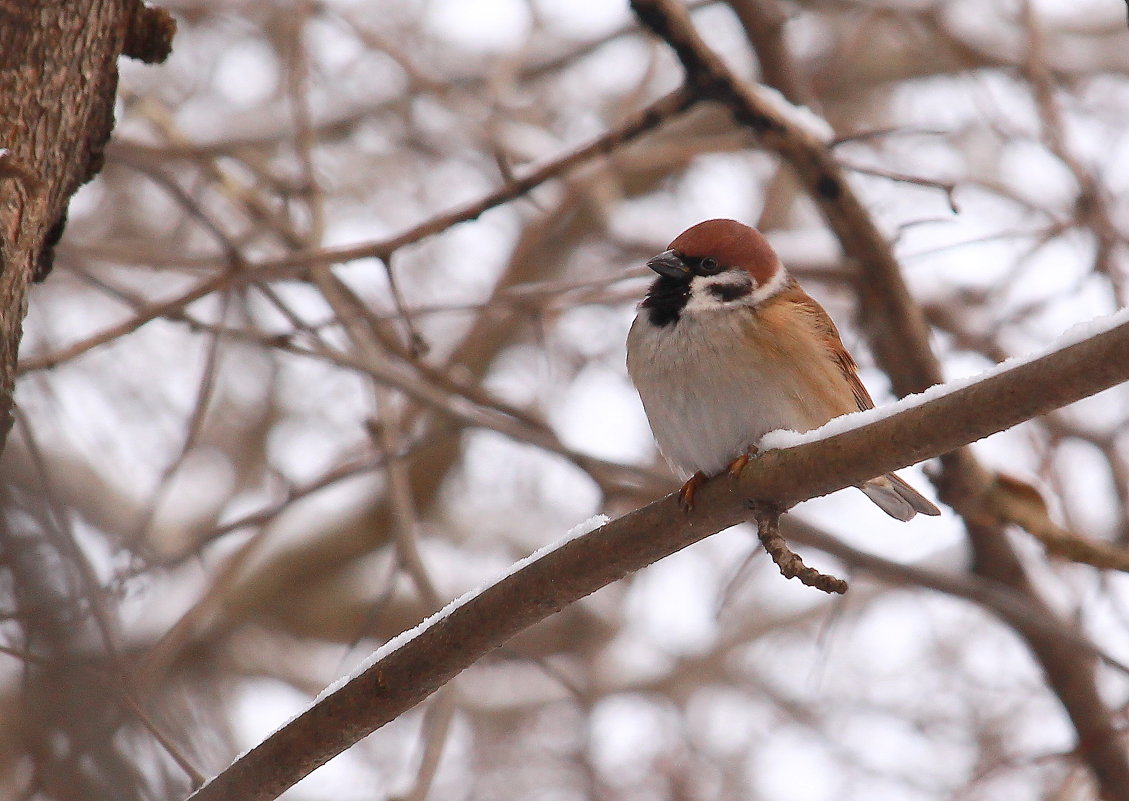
[(58, 77)]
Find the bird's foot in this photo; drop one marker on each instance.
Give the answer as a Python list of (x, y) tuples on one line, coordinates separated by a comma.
[(738, 464), (689, 489)]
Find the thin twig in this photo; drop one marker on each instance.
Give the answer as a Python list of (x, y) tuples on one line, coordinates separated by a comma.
[(631, 128), (789, 562), (298, 263), (948, 187)]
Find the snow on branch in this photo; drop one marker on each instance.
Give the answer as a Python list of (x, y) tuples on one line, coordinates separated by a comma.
[(582, 563)]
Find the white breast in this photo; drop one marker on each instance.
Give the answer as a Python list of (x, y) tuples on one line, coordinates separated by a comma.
[(707, 401)]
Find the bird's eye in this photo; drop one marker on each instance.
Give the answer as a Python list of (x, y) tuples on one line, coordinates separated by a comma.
[(709, 265)]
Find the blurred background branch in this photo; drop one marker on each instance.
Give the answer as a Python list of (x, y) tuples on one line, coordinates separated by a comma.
[(337, 334)]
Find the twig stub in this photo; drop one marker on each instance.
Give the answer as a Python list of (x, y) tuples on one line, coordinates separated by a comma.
[(789, 562)]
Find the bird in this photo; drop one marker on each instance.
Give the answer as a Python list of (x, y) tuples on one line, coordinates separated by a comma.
[(726, 346)]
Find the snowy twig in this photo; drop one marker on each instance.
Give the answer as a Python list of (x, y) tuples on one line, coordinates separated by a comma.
[(420, 663)]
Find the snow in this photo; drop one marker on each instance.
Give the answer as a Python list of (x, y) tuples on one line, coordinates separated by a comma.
[(784, 438), (800, 116), (579, 530)]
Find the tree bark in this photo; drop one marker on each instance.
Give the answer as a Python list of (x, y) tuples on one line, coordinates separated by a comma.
[(58, 77)]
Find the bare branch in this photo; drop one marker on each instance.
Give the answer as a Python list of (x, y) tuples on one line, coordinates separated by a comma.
[(789, 562)]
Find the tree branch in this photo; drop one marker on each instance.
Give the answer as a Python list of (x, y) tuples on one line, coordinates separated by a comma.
[(899, 338), (890, 315), (471, 628)]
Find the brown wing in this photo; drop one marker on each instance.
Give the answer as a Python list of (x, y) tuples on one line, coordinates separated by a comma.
[(830, 336)]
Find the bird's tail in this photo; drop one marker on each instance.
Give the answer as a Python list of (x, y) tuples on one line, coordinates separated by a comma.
[(897, 498)]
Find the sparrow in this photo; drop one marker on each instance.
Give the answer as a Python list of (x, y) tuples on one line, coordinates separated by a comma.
[(726, 347)]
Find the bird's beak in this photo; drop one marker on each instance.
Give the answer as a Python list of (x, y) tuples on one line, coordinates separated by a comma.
[(670, 264)]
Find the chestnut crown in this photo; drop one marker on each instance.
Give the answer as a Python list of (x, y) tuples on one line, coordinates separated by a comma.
[(730, 244)]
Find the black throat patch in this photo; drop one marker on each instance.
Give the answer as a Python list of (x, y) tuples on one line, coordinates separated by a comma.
[(665, 300)]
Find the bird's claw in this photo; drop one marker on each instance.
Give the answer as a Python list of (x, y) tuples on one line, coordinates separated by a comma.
[(689, 489), (738, 464)]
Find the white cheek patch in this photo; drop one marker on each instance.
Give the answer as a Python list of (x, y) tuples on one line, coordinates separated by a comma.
[(770, 287)]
